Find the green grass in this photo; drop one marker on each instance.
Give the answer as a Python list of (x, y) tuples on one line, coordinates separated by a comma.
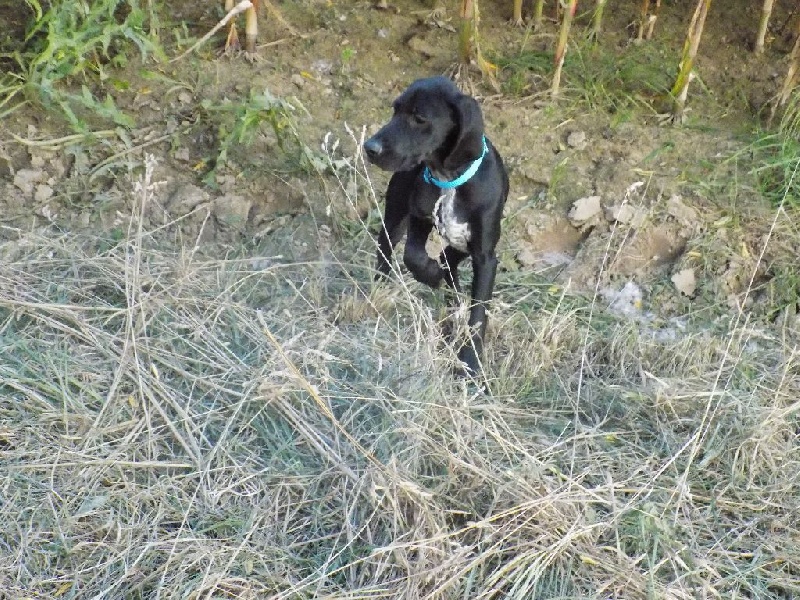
[(777, 166), (73, 53), (615, 80)]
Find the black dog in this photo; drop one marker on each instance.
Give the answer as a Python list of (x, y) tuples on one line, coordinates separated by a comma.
[(448, 175)]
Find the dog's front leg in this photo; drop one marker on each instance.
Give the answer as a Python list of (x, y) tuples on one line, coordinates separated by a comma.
[(485, 267), (422, 267), (391, 232), (395, 219)]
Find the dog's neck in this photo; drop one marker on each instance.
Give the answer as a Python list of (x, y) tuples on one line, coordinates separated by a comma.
[(436, 166), (438, 171), (446, 178), (442, 174)]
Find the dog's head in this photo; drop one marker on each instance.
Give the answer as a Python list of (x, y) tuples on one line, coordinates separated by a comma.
[(434, 123)]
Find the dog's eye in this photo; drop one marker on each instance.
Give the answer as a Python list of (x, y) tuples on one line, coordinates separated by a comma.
[(418, 119)]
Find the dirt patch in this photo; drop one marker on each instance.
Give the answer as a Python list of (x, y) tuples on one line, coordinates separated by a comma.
[(648, 184)]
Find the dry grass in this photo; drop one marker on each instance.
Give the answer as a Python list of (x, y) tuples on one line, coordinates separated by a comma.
[(176, 426)]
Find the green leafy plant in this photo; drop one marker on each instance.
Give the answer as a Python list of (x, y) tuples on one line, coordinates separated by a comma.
[(240, 121), (347, 54), (68, 53)]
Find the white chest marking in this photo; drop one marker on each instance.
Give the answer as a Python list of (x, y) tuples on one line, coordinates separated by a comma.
[(454, 232)]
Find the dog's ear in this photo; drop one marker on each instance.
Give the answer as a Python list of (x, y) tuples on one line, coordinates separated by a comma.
[(468, 144)]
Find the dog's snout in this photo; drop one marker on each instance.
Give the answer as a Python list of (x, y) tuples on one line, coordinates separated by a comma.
[(373, 148)]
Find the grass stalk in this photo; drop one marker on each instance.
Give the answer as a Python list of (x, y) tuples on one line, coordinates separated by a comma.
[(538, 14), (790, 80), (231, 10), (251, 28), (680, 88), (561, 45), (643, 19), (469, 47), (766, 12), (597, 19), (651, 21), (516, 16), (233, 38), (466, 32)]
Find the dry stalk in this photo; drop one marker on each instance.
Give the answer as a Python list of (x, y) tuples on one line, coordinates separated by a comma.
[(643, 19), (651, 21), (766, 12), (232, 12), (538, 12), (466, 32), (516, 17), (647, 20), (469, 48), (597, 19), (790, 80), (680, 88), (251, 28), (561, 45)]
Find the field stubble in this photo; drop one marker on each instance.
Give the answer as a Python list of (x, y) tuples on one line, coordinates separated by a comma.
[(175, 425)]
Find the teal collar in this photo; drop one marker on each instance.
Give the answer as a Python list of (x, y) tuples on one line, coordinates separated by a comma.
[(461, 179)]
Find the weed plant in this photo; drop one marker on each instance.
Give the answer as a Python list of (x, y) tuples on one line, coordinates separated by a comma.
[(239, 122), (66, 58)]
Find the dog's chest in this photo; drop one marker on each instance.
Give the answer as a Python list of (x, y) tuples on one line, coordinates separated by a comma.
[(454, 232)]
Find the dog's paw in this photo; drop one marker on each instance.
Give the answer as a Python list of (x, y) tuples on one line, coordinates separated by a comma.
[(469, 370), (383, 268), (470, 365), (431, 274)]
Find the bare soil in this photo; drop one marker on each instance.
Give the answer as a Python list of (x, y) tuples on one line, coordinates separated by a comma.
[(671, 199)]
